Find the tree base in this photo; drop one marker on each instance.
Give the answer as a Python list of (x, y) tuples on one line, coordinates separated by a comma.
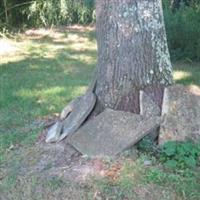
[(85, 107)]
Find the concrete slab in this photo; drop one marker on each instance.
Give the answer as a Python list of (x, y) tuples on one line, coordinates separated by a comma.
[(111, 132)]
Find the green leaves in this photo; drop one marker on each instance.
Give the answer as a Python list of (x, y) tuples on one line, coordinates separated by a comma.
[(190, 161), (180, 155), (171, 164), (169, 148)]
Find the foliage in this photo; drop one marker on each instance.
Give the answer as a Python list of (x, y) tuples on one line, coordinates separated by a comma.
[(183, 31), (181, 155), (147, 145), (34, 13), (174, 155), (182, 24), (48, 12)]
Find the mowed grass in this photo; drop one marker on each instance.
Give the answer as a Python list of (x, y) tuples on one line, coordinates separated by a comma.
[(40, 72)]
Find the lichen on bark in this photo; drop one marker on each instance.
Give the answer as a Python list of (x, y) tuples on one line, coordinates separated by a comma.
[(132, 50)]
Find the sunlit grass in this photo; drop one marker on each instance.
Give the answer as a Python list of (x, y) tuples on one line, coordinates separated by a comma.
[(180, 75), (40, 73), (187, 73)]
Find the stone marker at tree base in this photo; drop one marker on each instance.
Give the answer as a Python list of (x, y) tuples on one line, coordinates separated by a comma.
[(181, 114), (111, 132), (80, 112), (72, 117)]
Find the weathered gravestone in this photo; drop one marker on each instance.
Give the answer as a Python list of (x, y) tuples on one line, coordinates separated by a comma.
[(72, 117), (80, 112), (181, 114), (111, 132)]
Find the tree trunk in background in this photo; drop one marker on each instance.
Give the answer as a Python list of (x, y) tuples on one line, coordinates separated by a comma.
[(6, 10), (132, 53)]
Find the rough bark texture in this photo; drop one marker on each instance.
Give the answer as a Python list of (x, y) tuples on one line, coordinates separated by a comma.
[(132, 53), (132, 57)]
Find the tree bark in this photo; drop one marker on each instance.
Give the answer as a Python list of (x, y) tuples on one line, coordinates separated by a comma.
[(132, 56), (132, 53)]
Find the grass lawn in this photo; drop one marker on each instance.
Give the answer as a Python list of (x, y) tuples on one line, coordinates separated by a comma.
[(41, 71)]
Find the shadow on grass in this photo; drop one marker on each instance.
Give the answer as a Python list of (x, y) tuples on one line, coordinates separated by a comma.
[(35, 73), (64, 36)]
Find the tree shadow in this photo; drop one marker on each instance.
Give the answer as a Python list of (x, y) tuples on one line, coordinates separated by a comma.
[(62, 35)]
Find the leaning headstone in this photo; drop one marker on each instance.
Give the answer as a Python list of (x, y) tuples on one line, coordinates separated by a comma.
[(69, 108), (54, 132), (111, 132), (81, 109), (181, 114)]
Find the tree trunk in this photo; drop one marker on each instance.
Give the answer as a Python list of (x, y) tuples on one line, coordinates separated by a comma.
[(176, 4), (132, 53), (6, 10), (132, 56)]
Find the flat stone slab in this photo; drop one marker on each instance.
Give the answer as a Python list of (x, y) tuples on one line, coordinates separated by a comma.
[(181, 114), (111, 132)]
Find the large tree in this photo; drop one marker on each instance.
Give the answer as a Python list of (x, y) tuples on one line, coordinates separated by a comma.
[(132, 52), (132, 56)]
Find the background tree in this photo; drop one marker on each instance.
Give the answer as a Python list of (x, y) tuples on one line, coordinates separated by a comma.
[(5, 9)]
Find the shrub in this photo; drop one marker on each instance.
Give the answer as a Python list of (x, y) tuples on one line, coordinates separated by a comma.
[(173, 154), (183, 31), (48, 12), (36, 13), (180, 155)]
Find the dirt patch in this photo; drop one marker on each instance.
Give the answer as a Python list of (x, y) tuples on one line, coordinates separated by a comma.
[(48, 171), (58, 171)]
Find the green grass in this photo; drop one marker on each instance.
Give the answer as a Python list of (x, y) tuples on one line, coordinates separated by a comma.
[(40, 78), (154, 182), (42, 74)]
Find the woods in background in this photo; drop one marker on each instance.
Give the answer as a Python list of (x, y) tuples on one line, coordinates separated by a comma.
[(182, 18), (36, 13)]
